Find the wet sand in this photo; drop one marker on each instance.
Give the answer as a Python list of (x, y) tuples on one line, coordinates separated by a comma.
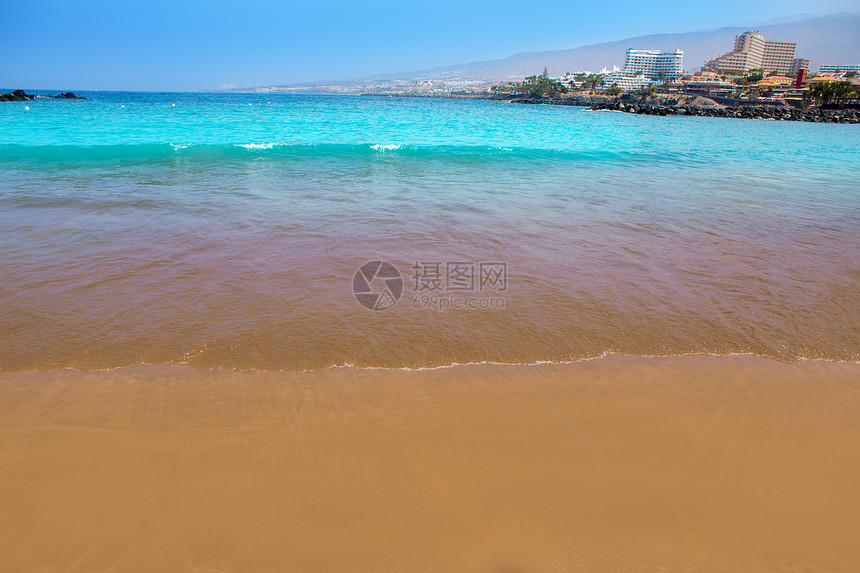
[(618, 464)]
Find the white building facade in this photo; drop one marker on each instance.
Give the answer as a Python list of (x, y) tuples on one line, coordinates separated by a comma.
[(626, 81), (655, 65), (828, 70), (645, 67)]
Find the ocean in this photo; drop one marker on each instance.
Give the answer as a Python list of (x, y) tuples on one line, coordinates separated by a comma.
[(291, 233)]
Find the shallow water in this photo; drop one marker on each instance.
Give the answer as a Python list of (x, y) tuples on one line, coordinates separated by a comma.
[(193, 228)]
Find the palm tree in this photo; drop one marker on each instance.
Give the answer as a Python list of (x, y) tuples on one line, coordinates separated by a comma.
[(827, 92), (842, 91), (595, 80), (822, 93)]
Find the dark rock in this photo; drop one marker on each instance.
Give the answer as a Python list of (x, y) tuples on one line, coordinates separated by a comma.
[(21, 95), (17, 95), (632, 103)]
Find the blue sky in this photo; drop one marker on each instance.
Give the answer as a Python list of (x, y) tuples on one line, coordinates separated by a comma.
[(198, 44)]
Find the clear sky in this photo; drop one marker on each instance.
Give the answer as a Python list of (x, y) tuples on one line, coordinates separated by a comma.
[(198, 44)]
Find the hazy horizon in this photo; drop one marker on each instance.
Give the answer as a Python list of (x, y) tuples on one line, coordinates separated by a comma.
[(192, 46)]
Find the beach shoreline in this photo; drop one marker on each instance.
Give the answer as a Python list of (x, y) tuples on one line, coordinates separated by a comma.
[(618, 463)]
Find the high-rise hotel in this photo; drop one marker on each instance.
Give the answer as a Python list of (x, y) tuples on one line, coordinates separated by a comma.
[(753, 52), (655, 65), (644, 67)]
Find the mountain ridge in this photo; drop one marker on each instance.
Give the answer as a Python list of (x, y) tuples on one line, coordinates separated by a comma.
[(831, 39)]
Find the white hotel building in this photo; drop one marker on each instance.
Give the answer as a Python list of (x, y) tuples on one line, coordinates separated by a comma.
[(655, 65), (644, 67), (826, 70), (753, 51)]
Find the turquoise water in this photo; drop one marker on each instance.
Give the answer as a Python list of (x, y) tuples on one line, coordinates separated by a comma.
[(225, 231)]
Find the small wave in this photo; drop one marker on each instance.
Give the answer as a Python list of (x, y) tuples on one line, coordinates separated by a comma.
[(153, 153), (256, 145), (185, 361)]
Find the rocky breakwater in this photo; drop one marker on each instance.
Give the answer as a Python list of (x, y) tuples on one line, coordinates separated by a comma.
[(744, 112), (576, 99)]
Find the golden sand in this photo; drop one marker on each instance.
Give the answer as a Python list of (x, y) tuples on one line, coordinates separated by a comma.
[(619, 464)]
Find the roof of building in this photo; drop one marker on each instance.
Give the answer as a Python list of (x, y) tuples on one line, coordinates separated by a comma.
[(775, 81)]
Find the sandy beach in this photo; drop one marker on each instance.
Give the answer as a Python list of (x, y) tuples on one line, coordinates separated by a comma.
[(270, 302), (616, 464)]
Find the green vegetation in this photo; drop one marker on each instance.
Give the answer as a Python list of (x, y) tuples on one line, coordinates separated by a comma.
[(541, 85), (748, 77), (832, 92), (594, 80), (649, 91)]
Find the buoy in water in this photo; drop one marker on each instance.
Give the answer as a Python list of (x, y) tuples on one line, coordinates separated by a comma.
[(26, 108), (173, 105)]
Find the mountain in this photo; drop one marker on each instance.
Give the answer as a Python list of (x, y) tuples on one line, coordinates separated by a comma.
[(832, 39)]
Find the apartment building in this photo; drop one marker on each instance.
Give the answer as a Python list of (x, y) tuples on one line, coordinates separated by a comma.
[(753, 51), (655, 65), (828, 69), (798, 64), (644, 67)]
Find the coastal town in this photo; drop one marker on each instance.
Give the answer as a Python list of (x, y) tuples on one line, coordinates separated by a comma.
[(755, 71)]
